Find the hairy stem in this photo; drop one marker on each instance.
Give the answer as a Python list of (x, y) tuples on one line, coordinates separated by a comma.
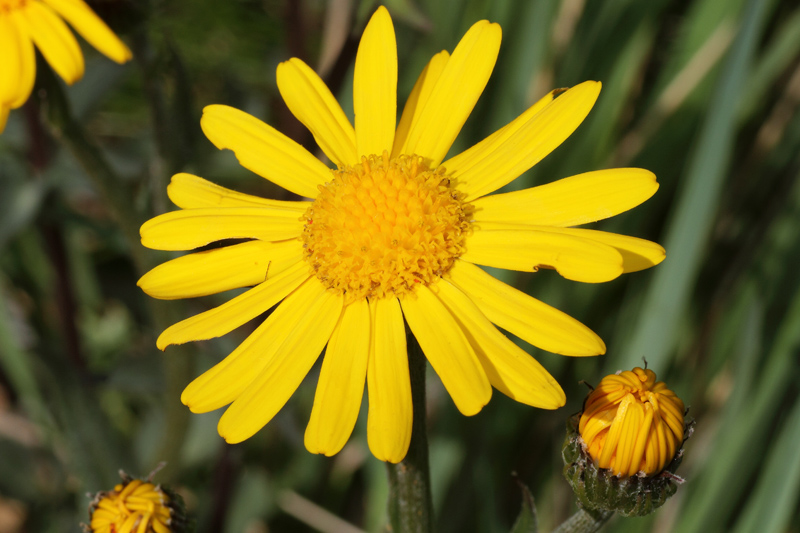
[(410, 506)]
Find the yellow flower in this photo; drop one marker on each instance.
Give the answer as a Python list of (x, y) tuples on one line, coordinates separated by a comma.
[(393, 233), (632, 423), (25, 23), (132, 507)]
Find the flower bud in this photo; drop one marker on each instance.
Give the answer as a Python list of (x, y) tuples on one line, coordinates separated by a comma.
[(622, 450), (137, 506)]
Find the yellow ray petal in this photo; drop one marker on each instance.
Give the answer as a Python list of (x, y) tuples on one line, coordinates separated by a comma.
[(341, 382), (418, 98), (637, 254), (571, 201), (264, 150), (475, 154), (614, 434), (17, 63), (390, 408), (448, 350), (310, 100), (191, 228), (509, 369), (488, 166), (456, 91), (53, 38), (278, 380), (527, 249), (375, 86), (188, 191), (213, 271), (527, 318), (224, 382), (232, 314), (92, 28)]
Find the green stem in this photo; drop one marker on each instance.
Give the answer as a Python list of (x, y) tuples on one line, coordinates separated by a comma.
[(410, 504), (585, 521)]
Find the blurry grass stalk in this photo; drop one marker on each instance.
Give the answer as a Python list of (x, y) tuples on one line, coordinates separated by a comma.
[(178, 366), (410, 502), (657, 331)]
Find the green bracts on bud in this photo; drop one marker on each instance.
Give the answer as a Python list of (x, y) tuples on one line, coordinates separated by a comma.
[(600, 489)]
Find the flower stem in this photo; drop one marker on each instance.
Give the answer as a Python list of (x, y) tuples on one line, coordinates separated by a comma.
[(410, 504), (585, 521)]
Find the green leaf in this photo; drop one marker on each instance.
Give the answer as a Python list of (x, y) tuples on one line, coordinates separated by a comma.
[(527, 521)]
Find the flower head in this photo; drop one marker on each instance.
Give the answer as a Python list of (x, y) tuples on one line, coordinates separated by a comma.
[(632, 423), (25, 23), (393, 234), (134, 506)]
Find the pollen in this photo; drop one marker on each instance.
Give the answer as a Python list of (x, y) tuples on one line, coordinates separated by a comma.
[(8, 5), (383, 227)]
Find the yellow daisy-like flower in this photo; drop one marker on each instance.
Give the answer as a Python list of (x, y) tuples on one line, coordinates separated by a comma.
[(25, 23), (133, 507), (392, 233), (632, 423)]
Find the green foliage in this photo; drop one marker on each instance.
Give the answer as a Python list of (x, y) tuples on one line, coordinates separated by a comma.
[(702, 92)]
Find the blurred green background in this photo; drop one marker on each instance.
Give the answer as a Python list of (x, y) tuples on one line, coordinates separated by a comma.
[(704, 93)]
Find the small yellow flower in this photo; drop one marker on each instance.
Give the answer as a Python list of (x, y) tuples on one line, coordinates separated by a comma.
[(132, 507), (25, 23), (632, 423), (393, 235)]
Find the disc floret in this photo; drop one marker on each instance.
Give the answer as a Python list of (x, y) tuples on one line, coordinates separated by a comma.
[(384, 226)]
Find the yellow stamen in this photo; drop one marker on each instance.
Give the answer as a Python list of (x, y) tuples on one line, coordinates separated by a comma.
[(8, 5), (380, 228)]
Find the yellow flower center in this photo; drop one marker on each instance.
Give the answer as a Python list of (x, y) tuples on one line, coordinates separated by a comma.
[(8, 5), (383, 227)]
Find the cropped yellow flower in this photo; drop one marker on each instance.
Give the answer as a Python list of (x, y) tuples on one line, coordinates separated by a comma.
[(632, 423), (392, 234), (25, 23), (132, 507)]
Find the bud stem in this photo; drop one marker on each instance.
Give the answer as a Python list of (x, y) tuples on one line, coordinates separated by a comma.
[(410, 504), (585, 521)]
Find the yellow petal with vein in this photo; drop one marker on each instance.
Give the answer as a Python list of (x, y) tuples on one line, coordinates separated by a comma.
[(637, 254), (529, 319), (92, 28), (284, 372), (375, 86), (418, 98), (17, 63), (448, 350), (456, 91), (571, 201), (54, 39), (487, 167), (232, 314), (225, 381), (388, 382), (188, 191), (264, 150), (527, 250), (509, 369), (341, 382), (310, 100), (213, 271), (191, 228), (475, 154)]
